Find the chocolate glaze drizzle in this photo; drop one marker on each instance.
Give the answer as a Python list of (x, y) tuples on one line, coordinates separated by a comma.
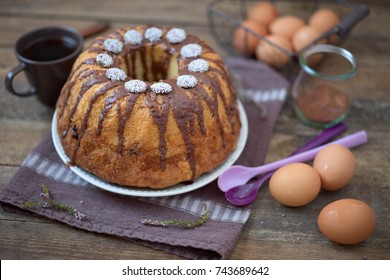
[(185, 104)]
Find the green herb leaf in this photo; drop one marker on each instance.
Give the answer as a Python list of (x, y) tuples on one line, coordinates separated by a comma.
[(47, 201)]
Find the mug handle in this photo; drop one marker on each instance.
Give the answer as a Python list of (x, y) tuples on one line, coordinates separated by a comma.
[(9, 81)]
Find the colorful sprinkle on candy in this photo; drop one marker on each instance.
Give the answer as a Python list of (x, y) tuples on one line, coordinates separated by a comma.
[(116, 74), (133, 37), (113, 45), (191, 50), (198, 66), (186, 81), (176, 35), (161, 87), (136, 86), (153, 34), (104, 60)]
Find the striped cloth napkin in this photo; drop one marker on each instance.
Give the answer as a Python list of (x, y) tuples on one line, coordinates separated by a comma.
[(263, 92)]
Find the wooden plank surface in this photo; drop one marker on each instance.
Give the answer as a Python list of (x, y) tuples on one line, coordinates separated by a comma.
[(185, 11), (273, 231)]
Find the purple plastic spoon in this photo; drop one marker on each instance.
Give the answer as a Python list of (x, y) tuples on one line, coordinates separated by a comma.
[(247, 193), (237, 175)]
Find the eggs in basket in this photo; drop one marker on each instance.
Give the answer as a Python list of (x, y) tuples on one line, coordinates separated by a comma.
[(273, 38)]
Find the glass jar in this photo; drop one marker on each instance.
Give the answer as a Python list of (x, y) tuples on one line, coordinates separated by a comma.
[(323, 89)]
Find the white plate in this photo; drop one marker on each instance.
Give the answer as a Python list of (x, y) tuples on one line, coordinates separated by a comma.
[(145, 192)]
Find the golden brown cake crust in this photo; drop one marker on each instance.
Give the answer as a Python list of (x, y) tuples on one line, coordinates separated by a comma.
[(148, 139)]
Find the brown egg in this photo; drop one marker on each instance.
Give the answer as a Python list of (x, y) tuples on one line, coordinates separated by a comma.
[(295, 184), (270, 54), (334, 39), (244, 41), (336, 166), (263, 12), (314, 60), (304, 36), (323, 19), (286, 26), (347, 221)]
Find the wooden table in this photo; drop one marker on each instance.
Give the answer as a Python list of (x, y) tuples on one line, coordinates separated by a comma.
[(273, 231)]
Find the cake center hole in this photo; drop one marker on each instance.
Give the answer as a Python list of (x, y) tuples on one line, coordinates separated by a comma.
[(152, 64)]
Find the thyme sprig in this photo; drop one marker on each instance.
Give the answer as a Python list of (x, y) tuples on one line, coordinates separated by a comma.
[(48, 201), (177, 222)]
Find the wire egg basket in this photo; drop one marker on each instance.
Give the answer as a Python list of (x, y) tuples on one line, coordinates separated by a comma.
[(226, 16)]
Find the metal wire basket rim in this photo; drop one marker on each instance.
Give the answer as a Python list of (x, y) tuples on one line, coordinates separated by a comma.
[(212, 9)]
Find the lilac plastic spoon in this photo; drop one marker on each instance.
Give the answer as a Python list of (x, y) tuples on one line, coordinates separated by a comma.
[(237, 175), (247, 193)]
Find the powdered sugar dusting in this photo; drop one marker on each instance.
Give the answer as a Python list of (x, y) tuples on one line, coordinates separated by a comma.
[(104, 60), (133, 37), (136, 86), (198, 66), (186, 81), (161, 87), (191, 50), (153, 34), (113, 45), (176, 35), (116, 74)]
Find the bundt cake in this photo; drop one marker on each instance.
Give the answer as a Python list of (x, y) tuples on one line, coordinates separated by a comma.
[(149, 106)]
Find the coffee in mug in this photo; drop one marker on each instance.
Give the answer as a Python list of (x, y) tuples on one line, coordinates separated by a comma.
[(46, 56)]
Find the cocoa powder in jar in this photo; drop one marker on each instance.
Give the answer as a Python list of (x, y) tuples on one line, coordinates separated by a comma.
[(322, 103)]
